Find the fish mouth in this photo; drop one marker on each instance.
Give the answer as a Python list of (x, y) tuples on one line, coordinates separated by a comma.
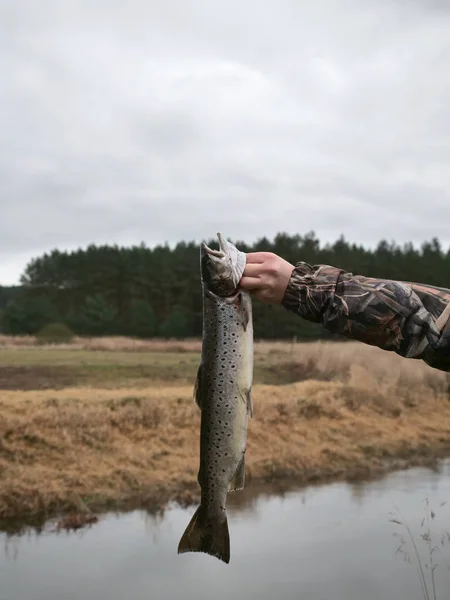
[(222, 269), (224, 248)]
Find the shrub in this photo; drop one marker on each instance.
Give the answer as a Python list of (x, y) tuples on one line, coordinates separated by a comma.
[(54, 333)]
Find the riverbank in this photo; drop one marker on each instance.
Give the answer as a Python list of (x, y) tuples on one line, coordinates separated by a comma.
[(135, 443)]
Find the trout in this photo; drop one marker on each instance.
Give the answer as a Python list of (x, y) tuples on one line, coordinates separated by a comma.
[(223, 394)]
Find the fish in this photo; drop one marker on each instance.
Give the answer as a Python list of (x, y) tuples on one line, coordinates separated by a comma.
[(223, 393)]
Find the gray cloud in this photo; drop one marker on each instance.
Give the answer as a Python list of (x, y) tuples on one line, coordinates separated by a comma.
[(160, 121)]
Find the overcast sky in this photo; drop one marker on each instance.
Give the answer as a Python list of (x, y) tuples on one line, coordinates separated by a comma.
[(164, 120)]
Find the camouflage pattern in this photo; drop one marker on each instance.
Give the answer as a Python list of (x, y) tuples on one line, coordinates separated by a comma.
[(408, 318)]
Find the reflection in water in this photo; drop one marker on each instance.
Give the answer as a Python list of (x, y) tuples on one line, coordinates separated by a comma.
[(322, 543)]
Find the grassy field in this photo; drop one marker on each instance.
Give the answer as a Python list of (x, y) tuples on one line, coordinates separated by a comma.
[(111, 423)]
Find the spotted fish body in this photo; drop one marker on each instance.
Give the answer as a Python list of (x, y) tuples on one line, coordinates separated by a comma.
[(223, 394)]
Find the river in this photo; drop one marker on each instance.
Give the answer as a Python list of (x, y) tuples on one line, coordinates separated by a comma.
[(329, 542)]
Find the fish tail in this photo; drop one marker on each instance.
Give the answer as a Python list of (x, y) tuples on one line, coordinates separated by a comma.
[(207, 534)]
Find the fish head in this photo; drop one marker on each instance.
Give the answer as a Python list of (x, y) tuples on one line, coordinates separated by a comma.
[(222, 269)]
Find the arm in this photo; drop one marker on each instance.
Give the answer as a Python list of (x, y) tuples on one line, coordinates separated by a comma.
[(410, 319)]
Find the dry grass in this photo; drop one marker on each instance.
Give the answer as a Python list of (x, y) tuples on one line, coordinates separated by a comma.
[(351, 410), (176, 361), (110, 344)]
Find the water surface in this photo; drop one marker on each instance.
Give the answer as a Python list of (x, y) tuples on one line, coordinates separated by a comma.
[(332, 542)]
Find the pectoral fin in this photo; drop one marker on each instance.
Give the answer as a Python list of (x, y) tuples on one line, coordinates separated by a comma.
[(238, 480), (247, 398), (198, 388)]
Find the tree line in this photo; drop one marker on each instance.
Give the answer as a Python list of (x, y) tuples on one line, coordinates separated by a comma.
[(149, 292)]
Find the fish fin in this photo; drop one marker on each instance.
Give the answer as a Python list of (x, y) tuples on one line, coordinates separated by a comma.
[(247, 398), (238, 480), (248, 395), (198, 388), (200, 477), (204, 535), (246, 308), (201, 470)]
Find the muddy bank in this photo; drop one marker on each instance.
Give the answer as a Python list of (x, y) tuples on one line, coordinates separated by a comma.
[(79, 450), (70, 515)]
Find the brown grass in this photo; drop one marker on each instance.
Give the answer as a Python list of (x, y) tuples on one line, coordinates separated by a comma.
[(349, 411), (111, 344), (95, 361)]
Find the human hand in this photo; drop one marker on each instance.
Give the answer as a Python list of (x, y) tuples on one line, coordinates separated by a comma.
[(266, 276)]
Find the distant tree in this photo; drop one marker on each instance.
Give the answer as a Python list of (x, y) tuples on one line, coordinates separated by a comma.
[(103, 290), (9, 293), (176, 325), (13, 319), (97, 317), (142, 321), (29, 315)]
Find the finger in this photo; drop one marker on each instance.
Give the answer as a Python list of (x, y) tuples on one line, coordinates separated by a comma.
[(250, 283), (253, 270), (256, 257)]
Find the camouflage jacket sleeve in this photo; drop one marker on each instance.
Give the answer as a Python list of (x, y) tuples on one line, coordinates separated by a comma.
[(408, 318)]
